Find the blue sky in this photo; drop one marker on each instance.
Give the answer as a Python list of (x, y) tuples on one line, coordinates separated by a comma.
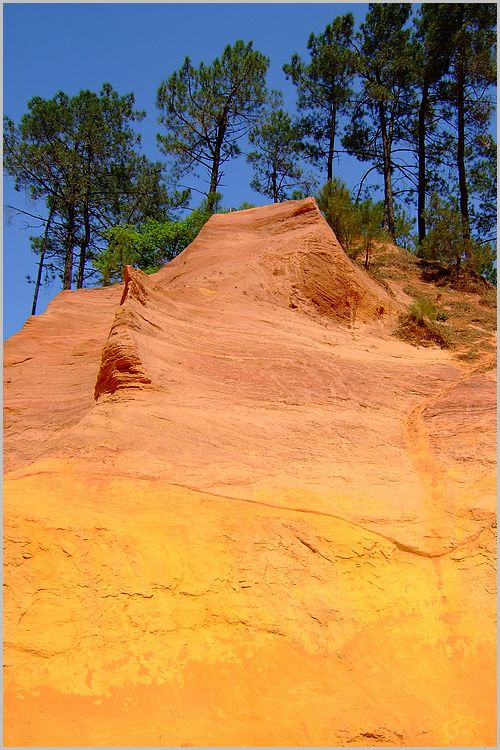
[(69, 47)]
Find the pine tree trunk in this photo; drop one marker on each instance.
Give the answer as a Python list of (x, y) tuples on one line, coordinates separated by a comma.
[(274, 187), (84, 246), (389, 225), (70, 242), (86, 221), (331, 147), (421, 188), (214, 176), (214, 181), (38, 282), (367, 254), (462, 177)]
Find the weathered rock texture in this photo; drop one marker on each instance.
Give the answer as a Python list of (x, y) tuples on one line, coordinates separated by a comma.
[(238, 512)]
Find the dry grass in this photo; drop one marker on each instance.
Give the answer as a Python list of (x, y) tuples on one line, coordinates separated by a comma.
[(464, 304), (468, 356), (423, 332), (391, 262)]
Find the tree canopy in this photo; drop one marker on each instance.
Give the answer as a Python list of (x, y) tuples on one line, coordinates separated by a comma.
[(148, 246), (275, 158), (78, 155), (385, 96), (207, 110), (324, 87)]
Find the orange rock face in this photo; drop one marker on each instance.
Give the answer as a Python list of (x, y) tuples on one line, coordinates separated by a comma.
[(238, 512)]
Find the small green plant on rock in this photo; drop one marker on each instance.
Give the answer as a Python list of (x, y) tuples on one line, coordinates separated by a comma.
[(422, 308), (357, 225), (419, 326), (335, 202)]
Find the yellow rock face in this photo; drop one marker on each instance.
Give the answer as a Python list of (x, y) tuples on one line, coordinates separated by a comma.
[(232, 519)]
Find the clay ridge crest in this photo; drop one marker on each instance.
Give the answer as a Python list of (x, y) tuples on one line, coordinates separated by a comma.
[(121, 363)]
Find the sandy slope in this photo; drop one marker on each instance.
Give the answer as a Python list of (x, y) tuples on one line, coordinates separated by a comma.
[(238, 512)]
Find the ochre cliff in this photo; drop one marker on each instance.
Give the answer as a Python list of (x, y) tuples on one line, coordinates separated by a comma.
[(237, 511)]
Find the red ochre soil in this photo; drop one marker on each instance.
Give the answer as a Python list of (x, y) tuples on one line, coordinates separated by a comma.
[(237, 511)]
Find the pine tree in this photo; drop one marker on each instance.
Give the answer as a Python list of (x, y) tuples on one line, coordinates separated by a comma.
[(207, 110), (483, 186), (275, 159), (39, 245), (472, 75), (78, 155), (433, 54), (385, 101), (324, 87), (335, 202)]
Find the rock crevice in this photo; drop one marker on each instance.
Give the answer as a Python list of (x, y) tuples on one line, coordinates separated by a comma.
[(121, 364)]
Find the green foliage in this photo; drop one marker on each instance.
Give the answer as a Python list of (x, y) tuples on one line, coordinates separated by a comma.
[(207, 110), (275, 158), (434, 49), (357, 226), (422, 331), (422, 308), (419, 326), (335, 202), (382, 108), (403, 228), (483, 187), (482, 259), (370, 217), (445, 242), (79, 154), (472, 32), (431, 62), (63, 143), (324, 88), (148, 246), (466, 101)]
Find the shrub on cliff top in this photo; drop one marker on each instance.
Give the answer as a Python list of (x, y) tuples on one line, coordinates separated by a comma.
[(422, 308)]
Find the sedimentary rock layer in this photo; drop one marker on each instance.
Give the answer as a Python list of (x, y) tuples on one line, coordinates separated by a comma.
[(238, 512)]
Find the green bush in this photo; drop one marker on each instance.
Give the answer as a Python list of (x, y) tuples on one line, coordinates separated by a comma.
[(419, 328), (148, 246), (404, 226), (422, 308), (357, 226), (369, 217), (335, 202), (445, 242)]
